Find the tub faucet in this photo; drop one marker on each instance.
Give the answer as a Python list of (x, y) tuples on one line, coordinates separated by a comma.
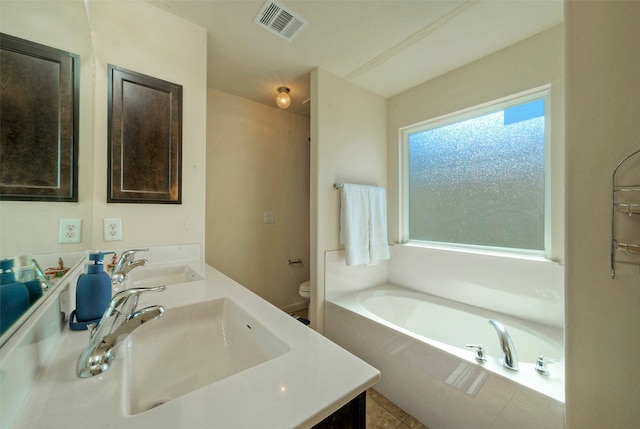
[(118, 321), (125, 264), (509, 355)]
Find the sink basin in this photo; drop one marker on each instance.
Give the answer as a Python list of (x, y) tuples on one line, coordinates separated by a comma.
[(156, 276), (191, 347)]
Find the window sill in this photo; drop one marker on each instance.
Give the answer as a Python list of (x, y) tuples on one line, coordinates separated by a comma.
[(533, 256)]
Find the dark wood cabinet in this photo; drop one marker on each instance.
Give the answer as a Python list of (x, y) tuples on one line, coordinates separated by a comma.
[(39, 113), (145, 139), (350, 416)]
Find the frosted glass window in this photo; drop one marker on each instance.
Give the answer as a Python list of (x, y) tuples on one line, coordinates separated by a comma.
[(480, 181)]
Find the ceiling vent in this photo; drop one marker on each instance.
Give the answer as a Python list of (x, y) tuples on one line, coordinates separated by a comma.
[(280, 20)]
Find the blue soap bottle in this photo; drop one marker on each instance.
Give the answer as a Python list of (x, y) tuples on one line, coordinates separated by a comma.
[(26, 274), (93, 291), (14, 296)]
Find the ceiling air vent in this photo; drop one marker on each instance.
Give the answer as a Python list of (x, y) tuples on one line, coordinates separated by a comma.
[(280, 20)]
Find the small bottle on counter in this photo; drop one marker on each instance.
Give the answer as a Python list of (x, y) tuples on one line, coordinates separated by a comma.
[(26, 274), (23, 267), (14, 296)]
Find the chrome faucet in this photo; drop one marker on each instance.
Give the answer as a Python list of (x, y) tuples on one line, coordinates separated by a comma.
[(509, 355), (125, 264), (118, 321)]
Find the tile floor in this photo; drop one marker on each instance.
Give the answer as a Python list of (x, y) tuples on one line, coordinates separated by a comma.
[(384, 414), (381, 412)]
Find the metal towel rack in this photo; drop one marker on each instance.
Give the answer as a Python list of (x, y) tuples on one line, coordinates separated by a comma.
[(341, 185), (627, 208)]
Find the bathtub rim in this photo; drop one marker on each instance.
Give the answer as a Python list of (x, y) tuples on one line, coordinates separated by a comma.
[(552, 386), (553, 335)]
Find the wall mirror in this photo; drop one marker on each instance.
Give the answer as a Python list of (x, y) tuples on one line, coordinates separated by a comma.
[(30, 226)]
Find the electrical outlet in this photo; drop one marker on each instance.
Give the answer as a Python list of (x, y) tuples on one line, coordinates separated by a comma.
[(113, 229), (70, 231), (269, 217)]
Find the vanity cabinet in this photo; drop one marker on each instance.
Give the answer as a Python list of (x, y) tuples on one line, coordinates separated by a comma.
[(351, 416)]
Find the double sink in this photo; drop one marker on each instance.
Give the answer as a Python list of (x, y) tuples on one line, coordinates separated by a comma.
[(219, 356), (190, 346)]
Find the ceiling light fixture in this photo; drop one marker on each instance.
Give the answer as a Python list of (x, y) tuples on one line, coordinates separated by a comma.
[(283, 100)]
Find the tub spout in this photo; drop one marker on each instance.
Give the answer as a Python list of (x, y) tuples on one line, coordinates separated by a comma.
[(509, 355)]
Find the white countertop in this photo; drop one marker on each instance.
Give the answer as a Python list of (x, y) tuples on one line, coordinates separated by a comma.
[(295, 390)]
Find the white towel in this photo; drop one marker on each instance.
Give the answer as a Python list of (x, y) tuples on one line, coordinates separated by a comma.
[(378, 246), (363, 224)]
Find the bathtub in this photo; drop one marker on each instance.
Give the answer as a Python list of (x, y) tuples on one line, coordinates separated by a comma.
[(418, 341)]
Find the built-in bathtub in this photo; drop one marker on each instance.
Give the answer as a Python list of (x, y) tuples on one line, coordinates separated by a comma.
[(418, 341)]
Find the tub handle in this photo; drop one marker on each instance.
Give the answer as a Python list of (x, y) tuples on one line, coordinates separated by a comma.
[(541, 364), (480, 354)]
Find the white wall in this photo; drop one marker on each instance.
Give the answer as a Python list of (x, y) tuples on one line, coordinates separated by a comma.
[(471, 277), (148, 40), (602, 127), (257, 161), (529, 64), (348, 129)]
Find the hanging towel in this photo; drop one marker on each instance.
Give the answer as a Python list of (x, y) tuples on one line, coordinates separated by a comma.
[(363, 224), (378, 246), (354, 223)]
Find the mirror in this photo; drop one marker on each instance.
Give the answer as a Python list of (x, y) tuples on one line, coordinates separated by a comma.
[(32, 228)]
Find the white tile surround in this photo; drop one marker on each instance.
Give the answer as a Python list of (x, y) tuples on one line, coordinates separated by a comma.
[(525, 287)]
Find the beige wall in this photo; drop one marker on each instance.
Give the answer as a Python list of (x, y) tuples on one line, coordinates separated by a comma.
[(168, 48), (258, 161), (348, 128), (532, 63), (602, 127), (145, 39)]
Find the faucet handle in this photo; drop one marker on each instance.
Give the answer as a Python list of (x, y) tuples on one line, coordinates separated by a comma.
[(122, 298), (480, 354), (541, 364), (131, 253), (125, 258)]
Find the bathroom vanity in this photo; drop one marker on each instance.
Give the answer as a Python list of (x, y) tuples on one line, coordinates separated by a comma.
[(219, 357)]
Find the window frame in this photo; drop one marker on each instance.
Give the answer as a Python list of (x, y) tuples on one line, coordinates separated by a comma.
[(541, 92)]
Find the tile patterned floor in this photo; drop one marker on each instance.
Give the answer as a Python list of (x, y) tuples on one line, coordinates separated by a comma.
[(384, 414), (381, 412)]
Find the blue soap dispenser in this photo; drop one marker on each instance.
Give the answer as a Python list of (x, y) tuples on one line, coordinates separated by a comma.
[(93, 293), (14, 296)]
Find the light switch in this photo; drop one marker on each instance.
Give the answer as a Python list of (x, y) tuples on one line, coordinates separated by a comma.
[(269, 217)]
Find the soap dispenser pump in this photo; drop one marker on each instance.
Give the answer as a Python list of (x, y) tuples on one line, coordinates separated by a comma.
[(93, 293)]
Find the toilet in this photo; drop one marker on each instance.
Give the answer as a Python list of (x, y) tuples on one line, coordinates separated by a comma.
[(305, 290)]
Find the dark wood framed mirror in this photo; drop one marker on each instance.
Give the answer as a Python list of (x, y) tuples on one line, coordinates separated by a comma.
[(145, 139), (39, 111)]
